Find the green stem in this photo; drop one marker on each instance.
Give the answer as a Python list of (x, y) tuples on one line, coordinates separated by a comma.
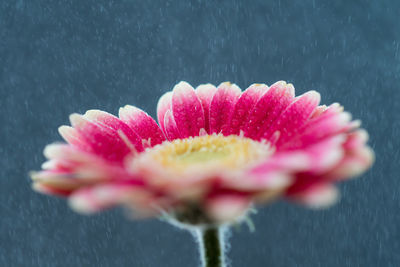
[(211, 247)]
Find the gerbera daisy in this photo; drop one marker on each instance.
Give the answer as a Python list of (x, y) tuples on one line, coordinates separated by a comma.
[(214, 152)]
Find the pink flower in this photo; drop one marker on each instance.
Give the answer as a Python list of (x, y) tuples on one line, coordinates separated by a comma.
[(214, 153)]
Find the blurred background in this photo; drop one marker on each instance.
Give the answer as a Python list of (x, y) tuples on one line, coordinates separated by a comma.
[(60, 57)]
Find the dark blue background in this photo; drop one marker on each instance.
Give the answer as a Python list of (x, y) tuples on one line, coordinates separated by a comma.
[(60, 57)]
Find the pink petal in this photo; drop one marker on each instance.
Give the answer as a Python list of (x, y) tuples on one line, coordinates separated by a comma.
[(73, 137), (268, 108), (221, 107), (64, 151), (92, 199), (142, 124), (353, 164), (243, 107), (271, 180), (325, 154), (286, 161), (332, 121), (171, 130), (356, 139), (57, 180), (318, 111), (103, 140), (357, 159), (164, 104), (205, 93), (80, 164), (110, 121), (187, 110), (293, 117), (45, 189), (308, 166)]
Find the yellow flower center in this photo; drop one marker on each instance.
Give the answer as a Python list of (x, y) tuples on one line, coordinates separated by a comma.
[(207, 152)]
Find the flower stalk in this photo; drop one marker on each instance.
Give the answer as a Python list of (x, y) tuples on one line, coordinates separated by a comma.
[(211, 246)]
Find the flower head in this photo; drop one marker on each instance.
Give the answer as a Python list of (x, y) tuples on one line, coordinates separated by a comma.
[(214, 152)]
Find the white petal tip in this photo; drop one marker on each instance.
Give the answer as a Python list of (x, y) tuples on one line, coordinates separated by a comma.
[(226, 209), (67, 132), (322, 197), (39, 188), (76, 120), (206, 87), (94, 114), (81, 204), (130, 112), (182, 87), (52, 151), (315, 95)]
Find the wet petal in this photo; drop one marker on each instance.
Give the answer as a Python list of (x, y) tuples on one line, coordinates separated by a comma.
[(330, 122), (243, 107), (73, 137), (205, 93), (171, 130), (221, 107), (187, 110), (268, 108), (142, 124), (293, 117), (115, 126), (164, 104)]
